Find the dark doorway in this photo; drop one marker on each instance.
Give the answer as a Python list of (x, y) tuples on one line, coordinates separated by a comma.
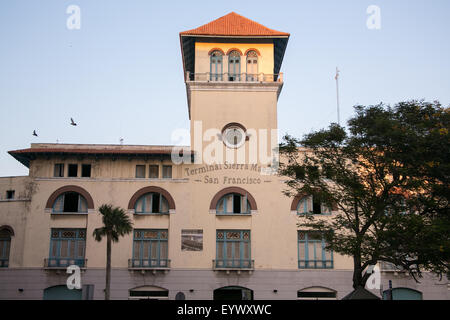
[(233, 293)]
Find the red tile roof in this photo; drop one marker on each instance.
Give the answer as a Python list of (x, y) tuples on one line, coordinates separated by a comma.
[(234, 24), (25, 155), (90, 151)]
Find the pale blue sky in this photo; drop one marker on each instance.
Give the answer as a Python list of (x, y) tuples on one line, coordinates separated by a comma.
[(121, 75)]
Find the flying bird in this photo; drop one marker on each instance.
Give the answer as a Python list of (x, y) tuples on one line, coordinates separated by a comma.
[(72, 122), (34, 133)]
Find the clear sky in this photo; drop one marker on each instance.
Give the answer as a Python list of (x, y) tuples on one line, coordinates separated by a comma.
[(120, 75)]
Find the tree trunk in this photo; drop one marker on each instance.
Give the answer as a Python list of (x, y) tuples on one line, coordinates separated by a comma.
[(357, 272), (108, 267), (359, 280)]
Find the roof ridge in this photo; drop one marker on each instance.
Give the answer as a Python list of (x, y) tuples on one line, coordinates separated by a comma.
[(234, 24)]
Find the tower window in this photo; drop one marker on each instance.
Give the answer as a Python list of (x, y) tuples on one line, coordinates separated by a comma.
[(252, 66), (216, 68), (234, 66)]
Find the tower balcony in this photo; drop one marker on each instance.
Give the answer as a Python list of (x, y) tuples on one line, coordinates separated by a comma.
[(234, 78), (232, 83)]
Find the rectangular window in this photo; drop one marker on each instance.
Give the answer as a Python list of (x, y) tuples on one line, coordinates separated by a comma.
[(140, 171), (86, 170), (10, 194), (59, 170), (150, 248), (233, 249), (311, 251), (67, 247), (154, 171), (167, 172), (73, 170)]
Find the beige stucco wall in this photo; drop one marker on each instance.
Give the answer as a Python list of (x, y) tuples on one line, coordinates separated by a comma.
[(15, 214), (273, 226), (252, 106)]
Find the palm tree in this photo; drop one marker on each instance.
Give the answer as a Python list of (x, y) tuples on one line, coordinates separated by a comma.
[(115, 224)]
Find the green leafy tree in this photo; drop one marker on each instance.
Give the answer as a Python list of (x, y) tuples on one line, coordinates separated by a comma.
[(388, 178), (116, 224)]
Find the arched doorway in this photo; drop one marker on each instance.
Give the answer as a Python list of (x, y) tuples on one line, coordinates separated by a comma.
[(403, 294), (316, 293), (6, 232), (148, 293), (61, 292), (233, 293)]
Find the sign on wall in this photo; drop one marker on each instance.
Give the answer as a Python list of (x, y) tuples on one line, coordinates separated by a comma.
[(191, 240)]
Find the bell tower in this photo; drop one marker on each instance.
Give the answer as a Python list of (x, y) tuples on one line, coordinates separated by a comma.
[(233, 79)]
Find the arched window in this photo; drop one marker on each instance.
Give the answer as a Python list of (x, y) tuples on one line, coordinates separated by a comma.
[(310, 204), (252, 66), (316, 293), (5, 244), (152, 203), (234, 66), (70, 199), (70, 202), (216, 70), (233, 200), (233, 203)]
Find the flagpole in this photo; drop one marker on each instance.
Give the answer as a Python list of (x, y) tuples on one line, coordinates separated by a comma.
[(337, 95)]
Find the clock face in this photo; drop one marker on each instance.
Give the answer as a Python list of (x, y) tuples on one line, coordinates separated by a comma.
[(234, 137)]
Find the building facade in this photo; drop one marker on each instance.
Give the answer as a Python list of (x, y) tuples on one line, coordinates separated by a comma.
[(213, 226)]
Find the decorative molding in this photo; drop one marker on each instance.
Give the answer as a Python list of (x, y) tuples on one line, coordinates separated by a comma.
[(252, 49), (234, 49), (216, 49), (7, 228)]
